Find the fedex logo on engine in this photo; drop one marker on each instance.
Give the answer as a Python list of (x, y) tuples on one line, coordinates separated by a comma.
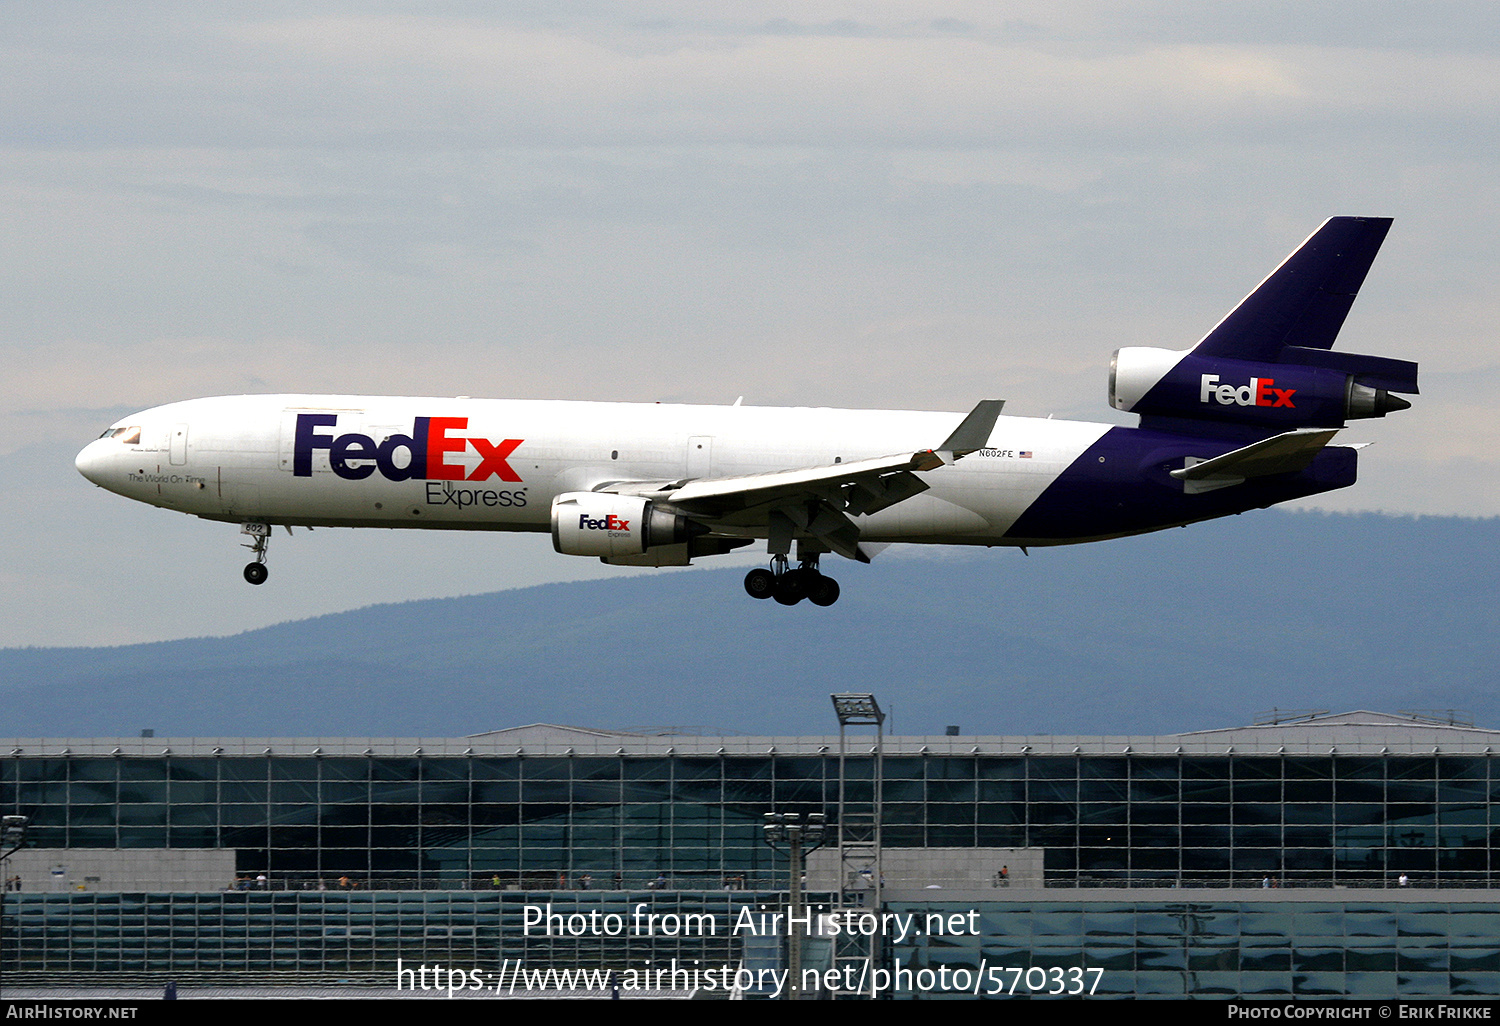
[(609, 523), (420, 456), (1258, 393)]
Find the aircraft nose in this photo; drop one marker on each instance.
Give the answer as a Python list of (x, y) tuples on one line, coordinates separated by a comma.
[(91, 462)]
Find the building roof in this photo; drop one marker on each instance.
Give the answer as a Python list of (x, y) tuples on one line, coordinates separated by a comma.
[(1351, 733), (1361, 727)]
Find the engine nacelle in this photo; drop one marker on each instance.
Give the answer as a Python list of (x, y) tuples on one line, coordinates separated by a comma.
[(611, 526), (1163, 383)]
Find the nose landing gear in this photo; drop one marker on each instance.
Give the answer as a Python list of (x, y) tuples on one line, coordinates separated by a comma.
[(256, 572), (790, 586)]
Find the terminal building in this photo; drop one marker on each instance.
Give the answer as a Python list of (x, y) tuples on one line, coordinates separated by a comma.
[(1322, 855)]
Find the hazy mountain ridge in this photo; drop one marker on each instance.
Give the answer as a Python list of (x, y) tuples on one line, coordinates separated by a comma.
[(1173, 631)]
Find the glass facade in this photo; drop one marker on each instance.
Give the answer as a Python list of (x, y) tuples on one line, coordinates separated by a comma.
[(82, 938), (1218, 949), (1407, 945), (624, 820), (429, 850)]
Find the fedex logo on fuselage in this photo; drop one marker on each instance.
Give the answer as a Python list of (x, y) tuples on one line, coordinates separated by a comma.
[(1258, 393), (420, 456), (609, 523)]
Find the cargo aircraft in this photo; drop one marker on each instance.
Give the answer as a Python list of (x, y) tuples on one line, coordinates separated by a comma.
[(1242, 420)]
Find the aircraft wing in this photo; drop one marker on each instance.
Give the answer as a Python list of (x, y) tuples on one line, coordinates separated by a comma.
[(820, 501), (869, 477)]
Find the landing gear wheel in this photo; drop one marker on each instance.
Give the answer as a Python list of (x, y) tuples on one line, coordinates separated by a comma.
[(760, 583), (260, 534), (792, 587), (825, 591)]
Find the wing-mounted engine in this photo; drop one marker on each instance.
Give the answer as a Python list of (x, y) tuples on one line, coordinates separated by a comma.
[(1281, 395), (611, 526)]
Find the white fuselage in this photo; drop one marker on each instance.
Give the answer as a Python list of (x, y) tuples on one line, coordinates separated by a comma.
[(492, 464)]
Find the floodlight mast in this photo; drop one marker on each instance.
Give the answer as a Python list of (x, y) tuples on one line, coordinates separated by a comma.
[(800, 838), (859, 827)]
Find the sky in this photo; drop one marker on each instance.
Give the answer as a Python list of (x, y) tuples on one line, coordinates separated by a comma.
[(908, 206)]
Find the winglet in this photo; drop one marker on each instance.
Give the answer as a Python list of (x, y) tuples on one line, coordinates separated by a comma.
[(974, 432)]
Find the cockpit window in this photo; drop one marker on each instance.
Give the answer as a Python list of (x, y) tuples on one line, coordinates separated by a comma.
[(125, 435)]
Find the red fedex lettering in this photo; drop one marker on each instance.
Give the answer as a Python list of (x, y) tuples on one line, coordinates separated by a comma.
[(1264, 392), (438, 443), (1258, 393), (494, 459)]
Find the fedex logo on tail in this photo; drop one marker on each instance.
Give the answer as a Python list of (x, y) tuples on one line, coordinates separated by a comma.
[(1258, 393), (420, 456)]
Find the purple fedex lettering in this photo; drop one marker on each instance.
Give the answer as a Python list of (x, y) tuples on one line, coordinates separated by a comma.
[(355, 446), (308, 439)]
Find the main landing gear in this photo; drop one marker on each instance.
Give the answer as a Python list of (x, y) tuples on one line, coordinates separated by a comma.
[(256, 572), (790, 586)]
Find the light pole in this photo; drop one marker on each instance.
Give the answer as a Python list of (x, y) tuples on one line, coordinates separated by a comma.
[(800, 838), (860, 819), (12, 836)]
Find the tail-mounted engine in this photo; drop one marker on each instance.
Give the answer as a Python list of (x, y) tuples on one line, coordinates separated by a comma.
[(610, 526), (1314, 388)]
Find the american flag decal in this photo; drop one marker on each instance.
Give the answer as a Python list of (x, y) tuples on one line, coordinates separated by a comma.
[(1025, 454)]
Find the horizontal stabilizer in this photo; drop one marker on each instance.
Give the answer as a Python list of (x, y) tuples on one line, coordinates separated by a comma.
[(1282, 454)]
